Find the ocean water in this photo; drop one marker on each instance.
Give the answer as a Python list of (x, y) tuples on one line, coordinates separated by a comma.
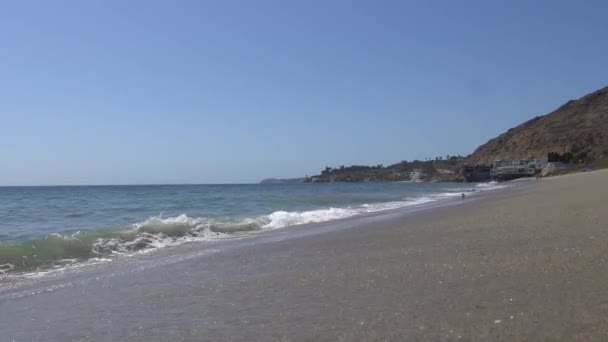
[(51, 227)]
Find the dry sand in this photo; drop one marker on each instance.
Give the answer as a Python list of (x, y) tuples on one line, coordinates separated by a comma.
[(530, 263)]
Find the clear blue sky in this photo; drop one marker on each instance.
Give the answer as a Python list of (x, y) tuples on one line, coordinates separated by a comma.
[(120, 92)]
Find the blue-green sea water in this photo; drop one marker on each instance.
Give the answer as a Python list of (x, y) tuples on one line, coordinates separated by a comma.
[(42, 227)]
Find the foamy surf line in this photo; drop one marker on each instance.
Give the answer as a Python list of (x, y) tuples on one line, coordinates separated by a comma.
[(57, 252)]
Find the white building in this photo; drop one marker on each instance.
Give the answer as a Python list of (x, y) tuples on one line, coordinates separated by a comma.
[(416, 175), (505, 169)]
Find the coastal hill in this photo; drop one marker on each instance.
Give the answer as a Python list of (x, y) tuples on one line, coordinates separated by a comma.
[(438, 169), (579, 127)]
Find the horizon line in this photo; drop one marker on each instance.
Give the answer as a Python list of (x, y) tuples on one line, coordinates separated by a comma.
[(133, 184)]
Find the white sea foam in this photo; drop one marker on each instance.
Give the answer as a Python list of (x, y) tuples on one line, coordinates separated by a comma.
[(157, 232), (4, 268), (490, 186), (281, 219)]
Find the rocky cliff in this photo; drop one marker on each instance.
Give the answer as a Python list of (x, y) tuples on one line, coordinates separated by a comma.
[(579, 127)]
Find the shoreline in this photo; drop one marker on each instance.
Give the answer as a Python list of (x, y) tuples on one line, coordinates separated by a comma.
[(520, 263), (265, 223)]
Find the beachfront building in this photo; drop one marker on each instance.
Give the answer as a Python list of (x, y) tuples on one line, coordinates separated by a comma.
[(416, 175), (507, 169)]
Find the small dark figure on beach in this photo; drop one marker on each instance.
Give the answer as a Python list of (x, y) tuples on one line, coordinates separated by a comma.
[(462, 195)]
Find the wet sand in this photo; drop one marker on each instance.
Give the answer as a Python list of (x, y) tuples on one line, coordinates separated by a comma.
[(529, 263)]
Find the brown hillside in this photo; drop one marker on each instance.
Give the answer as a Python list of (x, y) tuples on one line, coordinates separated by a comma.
[(577, 126)]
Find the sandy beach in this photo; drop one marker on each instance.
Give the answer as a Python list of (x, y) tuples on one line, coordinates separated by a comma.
[(526, 263)]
